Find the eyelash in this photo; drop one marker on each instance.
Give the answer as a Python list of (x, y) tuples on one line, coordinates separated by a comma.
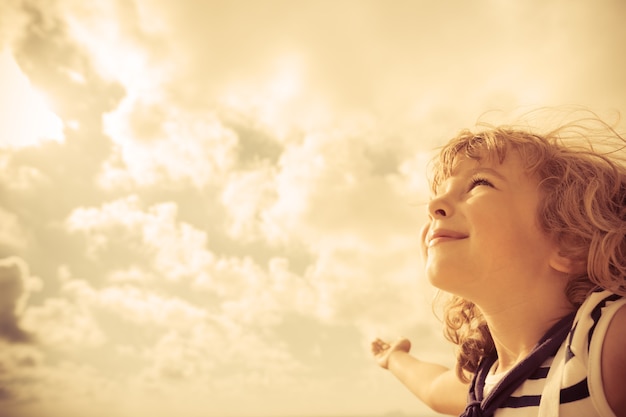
[(476, 181)]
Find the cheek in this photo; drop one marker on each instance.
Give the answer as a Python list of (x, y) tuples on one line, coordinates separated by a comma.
[(495, 227)]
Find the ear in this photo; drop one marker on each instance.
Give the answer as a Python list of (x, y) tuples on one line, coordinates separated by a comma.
[(566, 265)]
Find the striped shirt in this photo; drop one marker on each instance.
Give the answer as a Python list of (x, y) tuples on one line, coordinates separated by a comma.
[(571, 379)]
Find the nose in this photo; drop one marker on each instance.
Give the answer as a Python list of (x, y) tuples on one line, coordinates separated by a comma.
[(438, 207)]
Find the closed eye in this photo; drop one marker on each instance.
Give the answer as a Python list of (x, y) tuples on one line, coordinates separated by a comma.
[(478, 181)]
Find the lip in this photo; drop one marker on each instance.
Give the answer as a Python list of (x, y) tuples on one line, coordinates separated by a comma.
[(443, 235)]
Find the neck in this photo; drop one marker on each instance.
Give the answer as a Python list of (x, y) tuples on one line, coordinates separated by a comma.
[(517, 325)]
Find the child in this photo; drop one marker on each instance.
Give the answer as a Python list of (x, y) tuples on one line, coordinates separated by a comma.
[(527, 235)]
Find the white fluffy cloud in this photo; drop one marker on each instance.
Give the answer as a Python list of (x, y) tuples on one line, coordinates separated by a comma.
[(175, 250), (64, 325), (157, 143)]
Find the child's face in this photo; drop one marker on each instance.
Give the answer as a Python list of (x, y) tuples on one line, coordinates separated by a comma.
[(482, 238)]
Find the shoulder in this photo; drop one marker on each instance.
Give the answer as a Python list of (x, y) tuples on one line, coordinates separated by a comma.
[(591, 324), (598, 339), (613, 362)]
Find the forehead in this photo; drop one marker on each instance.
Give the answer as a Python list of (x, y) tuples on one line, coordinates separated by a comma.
[(451, 161), (463, 163)]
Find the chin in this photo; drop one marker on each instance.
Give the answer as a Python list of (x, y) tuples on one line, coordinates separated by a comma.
[(442, 282), (437, 282)]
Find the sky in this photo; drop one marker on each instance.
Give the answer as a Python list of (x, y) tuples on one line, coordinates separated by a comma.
[(210, 208)]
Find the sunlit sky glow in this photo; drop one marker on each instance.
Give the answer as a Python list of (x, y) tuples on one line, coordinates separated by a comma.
[(25, 114), (211, 208)]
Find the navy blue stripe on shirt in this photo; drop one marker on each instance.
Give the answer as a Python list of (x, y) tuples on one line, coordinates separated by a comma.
[(523, 401), (568, 353), (597, 312), (568, 395), (575, 392), (540, 373)]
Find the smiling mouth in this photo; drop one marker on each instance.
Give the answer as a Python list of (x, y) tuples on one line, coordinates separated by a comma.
[(441, 239), (442, 236)]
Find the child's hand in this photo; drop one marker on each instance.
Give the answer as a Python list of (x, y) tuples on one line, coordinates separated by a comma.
[(382, 350)]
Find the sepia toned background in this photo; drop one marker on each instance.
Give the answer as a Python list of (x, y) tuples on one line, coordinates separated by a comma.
[(210, 208)]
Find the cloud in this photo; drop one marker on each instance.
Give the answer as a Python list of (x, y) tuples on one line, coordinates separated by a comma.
[(12, 236), (246, 196), (142, 307), (175, 250), (19, 363), (19, 177), (158, 142), (15, 288), (389, 59), (64, 325)]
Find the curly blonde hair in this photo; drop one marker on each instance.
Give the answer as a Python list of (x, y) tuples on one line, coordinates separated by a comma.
[(583, 209)]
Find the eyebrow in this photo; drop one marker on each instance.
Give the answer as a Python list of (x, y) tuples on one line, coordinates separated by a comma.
[(489, 171), (479, 170)]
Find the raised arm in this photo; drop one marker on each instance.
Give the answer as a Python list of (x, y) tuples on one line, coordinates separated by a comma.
[(435, 385)]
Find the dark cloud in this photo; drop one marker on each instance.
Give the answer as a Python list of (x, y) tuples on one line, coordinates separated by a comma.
[(13, 275)]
